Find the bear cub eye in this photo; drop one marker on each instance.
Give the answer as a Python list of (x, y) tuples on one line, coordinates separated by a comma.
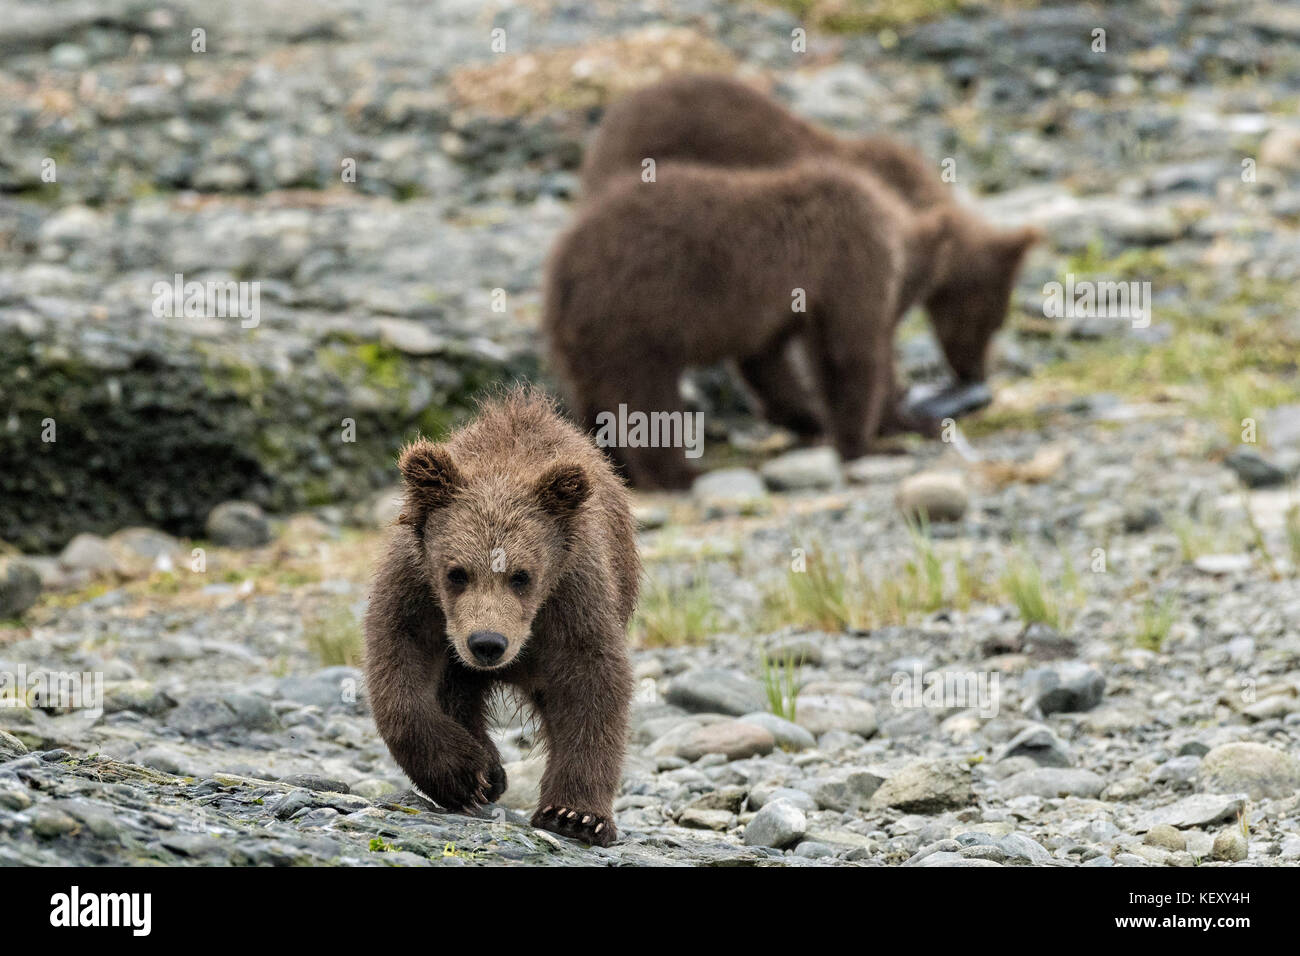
[(458, 577), (520, 580)]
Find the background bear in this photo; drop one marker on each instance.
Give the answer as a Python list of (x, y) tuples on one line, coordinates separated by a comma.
[(514, 563), (709, 264), (724, 122)]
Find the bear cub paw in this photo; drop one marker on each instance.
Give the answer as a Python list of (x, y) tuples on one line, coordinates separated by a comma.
[(576, 825), (466, 792)]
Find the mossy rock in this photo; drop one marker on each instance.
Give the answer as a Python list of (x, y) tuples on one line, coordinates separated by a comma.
[(159, 435)]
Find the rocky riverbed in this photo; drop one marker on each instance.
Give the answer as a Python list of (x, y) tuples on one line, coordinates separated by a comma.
[(1106, 592)]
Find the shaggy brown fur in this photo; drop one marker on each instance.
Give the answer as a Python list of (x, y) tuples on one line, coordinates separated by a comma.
[(701, 266), (518, 529), (723, 122)]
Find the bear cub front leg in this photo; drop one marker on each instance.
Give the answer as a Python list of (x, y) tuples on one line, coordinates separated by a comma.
[(586, 735)]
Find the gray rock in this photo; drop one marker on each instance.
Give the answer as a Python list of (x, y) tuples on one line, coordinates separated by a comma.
[(1254, 470), (789, 736), (1220, 565), (730, 799), (1198, 810), (733, 739), (944, 858), (14, 798), (1039, 744), (803, 469), (291, 803), (316, 783), (1049, 782), (1230, 846), (330, 687), (939, 496), (89, 553), (1063, 687), (822, 713), (411, 337), (779, 824), (799, 798), (1165, 836), (730, 491), (10, 747), (238, 524), (141, 551), (136, 695), (926, 786), (702, 819), (1017, 846), (1178, 772), (846, 789), (815, 850), (710, 690), (202, 715), (47, 822), (168, 760), (20, 586), (1255, 769)]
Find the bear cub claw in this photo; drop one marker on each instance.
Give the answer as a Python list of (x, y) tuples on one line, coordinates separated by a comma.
[(495, 784), (576, 825), (467, 794)]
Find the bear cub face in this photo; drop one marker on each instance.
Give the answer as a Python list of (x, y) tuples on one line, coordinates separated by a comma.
[(493, 560)]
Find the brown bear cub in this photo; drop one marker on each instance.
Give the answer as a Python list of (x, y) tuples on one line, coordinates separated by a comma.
[(709, 264), (514, 563), (722, 122)]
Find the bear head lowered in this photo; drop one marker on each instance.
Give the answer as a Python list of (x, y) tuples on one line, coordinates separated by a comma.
[(968, 301)]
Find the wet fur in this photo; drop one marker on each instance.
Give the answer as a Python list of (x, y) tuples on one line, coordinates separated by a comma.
[(571, 665), (722, 122), (699, 267)]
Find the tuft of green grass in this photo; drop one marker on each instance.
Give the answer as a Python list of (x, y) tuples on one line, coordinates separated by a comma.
[(815, 597), (1023, 583), (925, 567), (1293, 536), (673, 616), (832, 595), (334, 637), (781, 683), (1154, 624)]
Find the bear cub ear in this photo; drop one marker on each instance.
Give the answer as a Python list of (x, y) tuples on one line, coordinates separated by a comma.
[(431, 478), (563, 489)]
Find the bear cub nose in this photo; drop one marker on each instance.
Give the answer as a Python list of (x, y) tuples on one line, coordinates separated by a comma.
[(487, 646)]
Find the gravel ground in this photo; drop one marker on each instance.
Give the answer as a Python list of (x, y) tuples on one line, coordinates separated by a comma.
[(1130, 641)]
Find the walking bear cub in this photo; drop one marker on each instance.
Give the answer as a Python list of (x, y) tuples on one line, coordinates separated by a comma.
[(722, 122), (710, 264), (514, 563)]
